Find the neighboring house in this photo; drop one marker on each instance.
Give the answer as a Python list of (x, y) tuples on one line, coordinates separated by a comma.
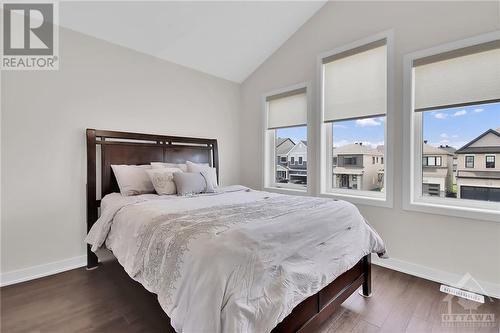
[(297, 163), (358, 167), (437, 171), (452, 150), (291, 164), (283, 146), (478, 175)]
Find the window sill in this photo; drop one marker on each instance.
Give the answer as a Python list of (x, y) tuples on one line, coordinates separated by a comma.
[(359, 199), (456, 210), (286, 190)]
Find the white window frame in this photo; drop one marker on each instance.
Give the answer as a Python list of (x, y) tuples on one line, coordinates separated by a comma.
[(269, 167), (325, 167), (413, 200)]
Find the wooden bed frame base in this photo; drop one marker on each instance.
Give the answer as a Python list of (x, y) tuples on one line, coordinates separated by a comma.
[(135, 148)]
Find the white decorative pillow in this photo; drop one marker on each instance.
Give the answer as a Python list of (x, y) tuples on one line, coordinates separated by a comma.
[(208, 172), (157, 165), (163, 180), (133, 179)]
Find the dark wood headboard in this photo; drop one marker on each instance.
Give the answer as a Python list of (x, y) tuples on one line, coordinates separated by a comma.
[(137, 149)]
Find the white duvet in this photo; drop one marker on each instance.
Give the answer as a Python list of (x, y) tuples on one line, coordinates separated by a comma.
[(234, 261)]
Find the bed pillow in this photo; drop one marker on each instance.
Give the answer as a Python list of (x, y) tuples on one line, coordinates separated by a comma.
[(163, 180), (192, 183), (133, 179), (158, 165), (210, 173)]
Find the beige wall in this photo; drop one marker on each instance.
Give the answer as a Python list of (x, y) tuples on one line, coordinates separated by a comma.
[(370, 175), (103, 86), (479, 162), (449, 244)]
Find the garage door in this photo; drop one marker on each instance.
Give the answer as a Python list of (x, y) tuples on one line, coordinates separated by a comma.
[(480, 193)]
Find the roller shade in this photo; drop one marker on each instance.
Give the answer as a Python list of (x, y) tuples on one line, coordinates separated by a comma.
[(461, 77), (355, 83), (287, 110)]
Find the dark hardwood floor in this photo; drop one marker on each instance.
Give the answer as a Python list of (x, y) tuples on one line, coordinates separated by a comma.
[(107, 300)]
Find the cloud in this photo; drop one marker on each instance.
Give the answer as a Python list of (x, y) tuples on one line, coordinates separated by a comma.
[(339, 126), (440, 115), (444, 135), (367, 122), (460, 113), (478, 110), (445, 141), (454, 136)]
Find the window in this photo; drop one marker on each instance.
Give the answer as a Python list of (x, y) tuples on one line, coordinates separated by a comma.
[(453, 122), (490, 162), (431, 161), (469, 161), (286, 135), (354, 107)]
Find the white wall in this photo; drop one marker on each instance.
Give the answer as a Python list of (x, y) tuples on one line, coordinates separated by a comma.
[(445, 246), (44, 117)]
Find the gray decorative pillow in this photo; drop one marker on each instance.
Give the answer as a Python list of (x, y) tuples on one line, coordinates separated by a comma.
[(192, 183), (209, 172)]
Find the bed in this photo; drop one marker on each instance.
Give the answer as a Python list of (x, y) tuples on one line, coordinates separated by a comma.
[(238, 260)]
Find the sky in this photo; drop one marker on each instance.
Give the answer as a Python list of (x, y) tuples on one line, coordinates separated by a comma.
[(458, 126), (454, 127)]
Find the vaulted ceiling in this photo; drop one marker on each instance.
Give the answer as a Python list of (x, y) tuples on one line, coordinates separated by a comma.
[(225, 39)]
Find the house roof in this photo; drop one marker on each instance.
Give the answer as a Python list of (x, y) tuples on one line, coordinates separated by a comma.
[(356, 148), (471, 148), (281, 148), (449, 149), (429, 150)]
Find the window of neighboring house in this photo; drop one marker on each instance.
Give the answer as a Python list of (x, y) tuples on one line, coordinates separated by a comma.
[(381, 160), (454, 108), (490, 161), (469, 161), (286, 127), (300, 160), (431, 161), (354, 105)]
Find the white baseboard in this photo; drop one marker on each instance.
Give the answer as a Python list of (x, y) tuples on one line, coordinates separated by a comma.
[(39, 271), (485, 288)]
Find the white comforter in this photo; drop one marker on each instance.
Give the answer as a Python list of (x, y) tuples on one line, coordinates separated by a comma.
[(235, 261)]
